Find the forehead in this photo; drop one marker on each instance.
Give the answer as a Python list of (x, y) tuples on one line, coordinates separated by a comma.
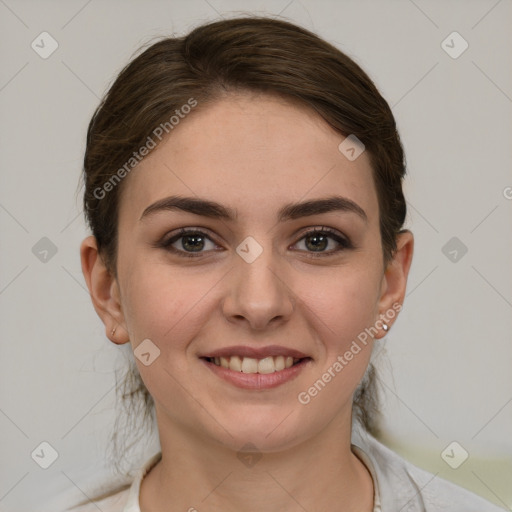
[(251, 153)]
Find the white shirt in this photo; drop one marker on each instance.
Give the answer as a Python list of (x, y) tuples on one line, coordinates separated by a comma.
[(398, 484)]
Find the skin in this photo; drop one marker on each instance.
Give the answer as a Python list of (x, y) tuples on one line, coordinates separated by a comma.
[(252, 153)]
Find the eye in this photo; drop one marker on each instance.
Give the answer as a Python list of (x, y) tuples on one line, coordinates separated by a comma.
[(319, 239), (193, 243), (190, 243)]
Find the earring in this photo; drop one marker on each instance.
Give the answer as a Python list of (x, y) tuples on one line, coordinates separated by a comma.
[(113, 331), (385, 327)]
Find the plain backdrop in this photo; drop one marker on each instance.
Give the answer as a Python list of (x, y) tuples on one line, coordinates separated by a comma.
[(447, 365)]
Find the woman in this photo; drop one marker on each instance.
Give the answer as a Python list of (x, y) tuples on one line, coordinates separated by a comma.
[(243, 185)]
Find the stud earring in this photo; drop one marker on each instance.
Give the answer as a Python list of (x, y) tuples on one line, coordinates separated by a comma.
[(113, 331), (385, 327)]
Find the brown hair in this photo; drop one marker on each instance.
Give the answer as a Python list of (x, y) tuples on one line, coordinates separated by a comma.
[(244, 54)]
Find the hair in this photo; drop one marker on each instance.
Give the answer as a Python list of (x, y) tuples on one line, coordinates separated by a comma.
[(246, 54)]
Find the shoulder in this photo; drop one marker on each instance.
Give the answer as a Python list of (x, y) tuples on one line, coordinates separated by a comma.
[(403, 486), (124, 499), (113, 503)]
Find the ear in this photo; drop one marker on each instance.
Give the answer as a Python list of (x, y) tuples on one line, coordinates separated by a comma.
[(104, 291), (394, 281)]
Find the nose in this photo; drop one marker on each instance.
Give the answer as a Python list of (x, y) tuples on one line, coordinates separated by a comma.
[(259, 293)]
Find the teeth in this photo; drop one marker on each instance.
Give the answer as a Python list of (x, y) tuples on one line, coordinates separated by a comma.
[(250, 365), (266, 365), (279, 363), (235, 364)]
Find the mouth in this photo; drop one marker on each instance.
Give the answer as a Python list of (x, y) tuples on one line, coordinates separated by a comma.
[(257, 369), (269, 364)]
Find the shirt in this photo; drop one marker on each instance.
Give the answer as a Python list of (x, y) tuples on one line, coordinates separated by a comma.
[(398, 485)]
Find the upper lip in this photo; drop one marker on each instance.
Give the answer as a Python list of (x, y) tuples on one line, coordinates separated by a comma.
[(256, 353)]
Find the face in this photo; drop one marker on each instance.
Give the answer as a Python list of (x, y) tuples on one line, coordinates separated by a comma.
[(252, 283)]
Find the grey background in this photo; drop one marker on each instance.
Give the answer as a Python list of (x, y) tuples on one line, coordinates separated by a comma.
[(446, 367)]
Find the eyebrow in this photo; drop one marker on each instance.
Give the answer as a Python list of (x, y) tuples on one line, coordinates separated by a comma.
[(290, 211)]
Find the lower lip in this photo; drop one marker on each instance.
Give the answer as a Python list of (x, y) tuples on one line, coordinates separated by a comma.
[(258, 380)]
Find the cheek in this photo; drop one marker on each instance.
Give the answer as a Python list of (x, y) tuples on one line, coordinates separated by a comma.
[(340, 311), (167, 308), (163, 304), (343, 303)]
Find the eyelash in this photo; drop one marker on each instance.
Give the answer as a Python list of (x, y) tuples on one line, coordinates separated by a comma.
[(342, 241)]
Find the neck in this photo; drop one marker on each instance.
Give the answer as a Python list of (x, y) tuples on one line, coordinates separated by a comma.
[(321, 473)]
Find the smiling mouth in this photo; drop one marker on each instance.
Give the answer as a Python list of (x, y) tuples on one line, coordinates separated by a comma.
[(270, 364)]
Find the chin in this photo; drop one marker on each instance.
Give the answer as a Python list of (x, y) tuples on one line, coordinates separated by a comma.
[(272, 429)]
